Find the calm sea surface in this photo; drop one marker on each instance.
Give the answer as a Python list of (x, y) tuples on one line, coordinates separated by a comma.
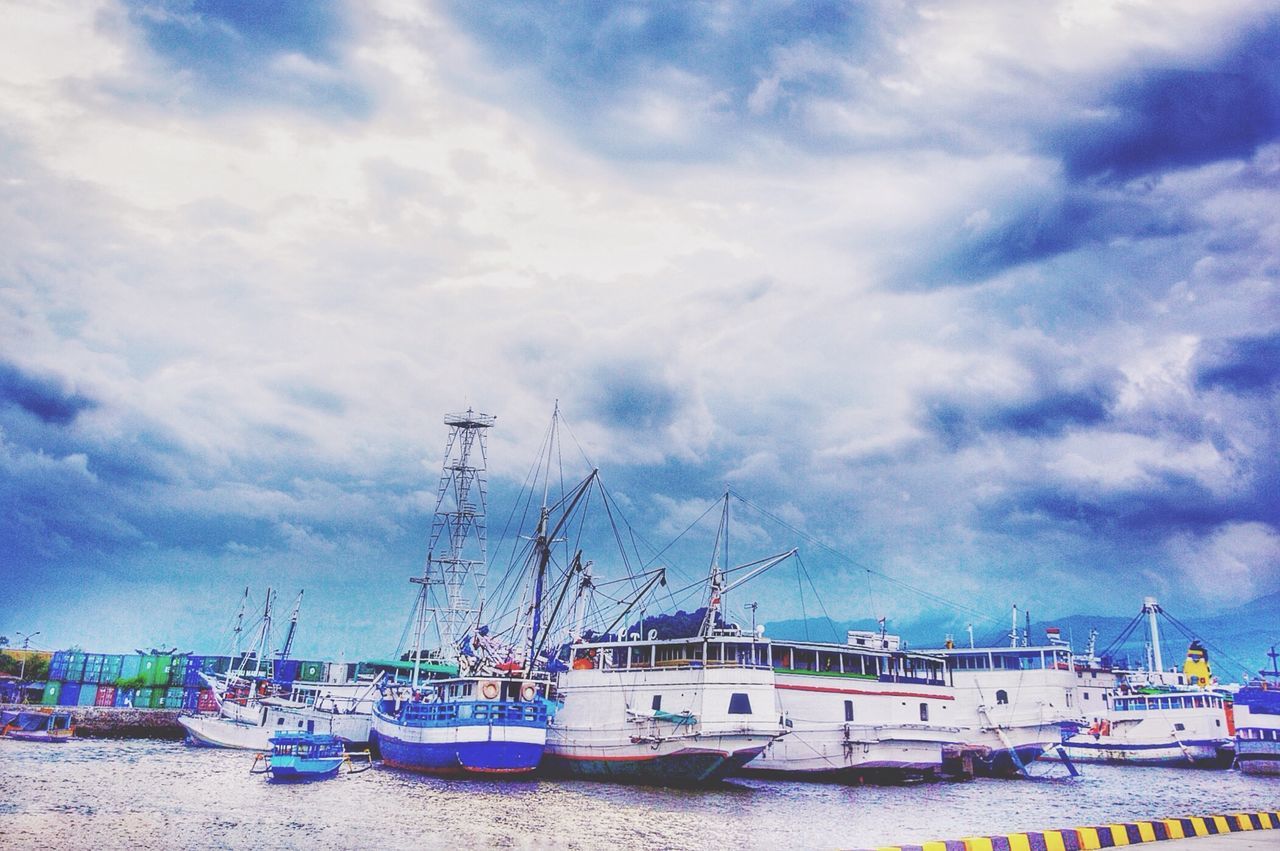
[(145, 794)]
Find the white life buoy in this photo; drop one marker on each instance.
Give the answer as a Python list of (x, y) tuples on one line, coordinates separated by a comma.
[(529, 691), (489, 690)]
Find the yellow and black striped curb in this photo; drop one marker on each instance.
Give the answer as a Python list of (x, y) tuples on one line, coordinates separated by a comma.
[(1103, 836)]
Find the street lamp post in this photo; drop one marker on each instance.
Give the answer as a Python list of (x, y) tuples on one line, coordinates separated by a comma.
[(26, 647)]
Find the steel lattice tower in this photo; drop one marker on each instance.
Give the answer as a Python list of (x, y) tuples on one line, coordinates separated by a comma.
[(456, 557)]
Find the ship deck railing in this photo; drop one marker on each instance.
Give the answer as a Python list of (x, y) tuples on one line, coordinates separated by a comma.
[(466, 712)]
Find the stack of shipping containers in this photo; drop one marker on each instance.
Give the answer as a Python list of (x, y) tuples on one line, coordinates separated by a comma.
[(143, 681)]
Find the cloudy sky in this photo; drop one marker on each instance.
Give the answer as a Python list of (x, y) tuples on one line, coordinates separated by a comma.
[(981, 295)]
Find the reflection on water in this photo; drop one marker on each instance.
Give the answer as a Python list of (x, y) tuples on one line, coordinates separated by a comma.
[(143, 794)]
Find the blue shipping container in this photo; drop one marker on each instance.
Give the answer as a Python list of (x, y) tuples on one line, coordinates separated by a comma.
[(70, 695), (111, 668), (58, 665), (125, 696), (191, 699), (287, 670), (194, 666)]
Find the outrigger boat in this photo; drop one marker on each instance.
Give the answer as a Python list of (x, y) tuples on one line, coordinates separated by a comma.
[(36, 726), (304, 756)]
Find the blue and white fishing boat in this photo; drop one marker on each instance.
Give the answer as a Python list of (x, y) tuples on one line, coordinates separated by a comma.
[(1257, 719), (301, 756), (492, 717)]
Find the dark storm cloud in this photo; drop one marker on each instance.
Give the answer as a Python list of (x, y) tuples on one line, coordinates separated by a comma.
[(41, 397), (234, 48), (960, 420), (1043, 228), (1241, 365), (1166, 119), (1168, 504)]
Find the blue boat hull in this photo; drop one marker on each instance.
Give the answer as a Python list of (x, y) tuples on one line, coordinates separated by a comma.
[(486, 757), (317, 769)]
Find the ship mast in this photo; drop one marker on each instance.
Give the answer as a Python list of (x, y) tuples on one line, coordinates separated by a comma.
[(1151, 608)]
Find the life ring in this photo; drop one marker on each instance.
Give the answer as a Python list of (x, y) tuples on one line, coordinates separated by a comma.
[(528, 692), (489, 690)]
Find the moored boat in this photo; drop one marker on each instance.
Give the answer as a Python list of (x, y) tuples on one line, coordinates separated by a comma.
[(1152, 716), (464, 725), (1011, 703), (664, 712), (490, 719), (860, 712), (1257, 720), (340, 710), (301, 756), (36, 726)]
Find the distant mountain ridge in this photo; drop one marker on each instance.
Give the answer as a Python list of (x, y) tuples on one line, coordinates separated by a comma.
[(1238, 639)]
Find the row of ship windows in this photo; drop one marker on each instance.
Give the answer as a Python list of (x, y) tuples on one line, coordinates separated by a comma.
[(740, 704), (1140, 704), (1256, 734)]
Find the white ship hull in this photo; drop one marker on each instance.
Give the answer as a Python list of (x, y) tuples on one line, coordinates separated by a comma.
[(884, 739), (220, 732), (660, 725)]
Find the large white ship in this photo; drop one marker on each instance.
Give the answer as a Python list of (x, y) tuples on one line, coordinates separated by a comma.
[(1012, 702), (865, 711), (677, 712), (1152, 716)]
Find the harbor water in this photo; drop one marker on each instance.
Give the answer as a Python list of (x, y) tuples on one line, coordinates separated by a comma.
[(151, 794)]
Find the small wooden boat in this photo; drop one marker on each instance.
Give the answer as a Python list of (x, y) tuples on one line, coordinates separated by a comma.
[(36, 725), (304, 756)]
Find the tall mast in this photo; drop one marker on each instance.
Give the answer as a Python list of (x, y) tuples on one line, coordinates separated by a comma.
[(293, 628), (1151, 608), (235, 633), (541, 544), (457, 548), (715, 579)]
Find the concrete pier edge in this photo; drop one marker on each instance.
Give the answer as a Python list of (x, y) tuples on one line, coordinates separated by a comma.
[(1103, 836)]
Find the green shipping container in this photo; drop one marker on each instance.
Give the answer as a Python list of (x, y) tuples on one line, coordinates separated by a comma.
[(173, 697), (51, 692), (142, 698), (155, 670), (178, 670), (88, 696), (130, 668), (311, 672)]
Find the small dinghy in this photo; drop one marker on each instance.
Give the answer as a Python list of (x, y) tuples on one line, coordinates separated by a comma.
[(304, 756), (36, 726)]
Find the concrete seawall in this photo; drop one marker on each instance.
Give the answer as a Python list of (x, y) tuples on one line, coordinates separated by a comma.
[(109, 722)]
